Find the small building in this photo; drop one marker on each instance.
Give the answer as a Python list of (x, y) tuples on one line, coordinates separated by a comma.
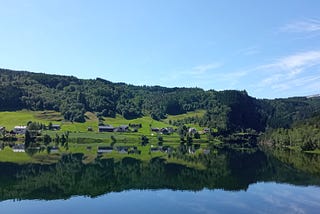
[(122, 128), (167, 130), (2, 130), (105, 149), (55, 127), (18, 148), (192, 131), (164, 131), (106, 128), (155, 129), (206, 130), (166, 149), (155, 149), (20, 129)]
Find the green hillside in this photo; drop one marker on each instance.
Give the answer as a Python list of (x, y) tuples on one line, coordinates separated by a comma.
[(226, 111)]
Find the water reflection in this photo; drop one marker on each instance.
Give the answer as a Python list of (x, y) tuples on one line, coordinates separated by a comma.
[(227, 170)]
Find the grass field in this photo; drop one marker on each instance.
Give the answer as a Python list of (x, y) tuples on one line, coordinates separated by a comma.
[(11, 119), (18, 118), (80, 138)]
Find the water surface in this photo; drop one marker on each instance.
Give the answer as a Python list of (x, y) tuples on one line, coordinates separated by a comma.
[(234, 182)]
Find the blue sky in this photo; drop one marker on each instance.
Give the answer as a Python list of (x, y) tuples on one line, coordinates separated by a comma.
[(270, 48)]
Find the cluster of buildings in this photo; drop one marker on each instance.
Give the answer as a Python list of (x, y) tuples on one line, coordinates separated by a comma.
[(23, 129), (119, 149), (166, 130), (109, 128)]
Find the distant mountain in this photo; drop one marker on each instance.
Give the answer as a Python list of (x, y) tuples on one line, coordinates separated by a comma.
[(225, 110)]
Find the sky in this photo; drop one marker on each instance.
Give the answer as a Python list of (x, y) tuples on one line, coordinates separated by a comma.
[(269, 48)]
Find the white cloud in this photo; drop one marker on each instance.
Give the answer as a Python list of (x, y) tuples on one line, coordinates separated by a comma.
[(295, 71), (309, 25), (300, 60), (249, 51), (202, 69)]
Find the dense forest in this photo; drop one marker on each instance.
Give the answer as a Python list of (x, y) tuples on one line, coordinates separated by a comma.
[(226, 111)]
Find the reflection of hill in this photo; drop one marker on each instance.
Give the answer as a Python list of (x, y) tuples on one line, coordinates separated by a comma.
[(229, 171)]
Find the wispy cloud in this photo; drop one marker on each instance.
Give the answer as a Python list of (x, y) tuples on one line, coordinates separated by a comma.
[(309, 25), (202, 69), (297, 71), (249, 51)]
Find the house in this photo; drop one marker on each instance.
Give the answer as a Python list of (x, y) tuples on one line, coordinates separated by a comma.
[(164, 131), (167, 130), (90, 129), (55, 127), (122, 128), (105, 149), (170, 130), (192, 131), (206, 130), (155, 149), (155, 129), (106, 128), (20, 129), (166, 149), (18, 148)]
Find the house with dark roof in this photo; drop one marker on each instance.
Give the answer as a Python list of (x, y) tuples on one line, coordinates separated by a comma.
[(20, 129), (18, 148), (55, 127), (122, 128), (106, 128), (105, 149)]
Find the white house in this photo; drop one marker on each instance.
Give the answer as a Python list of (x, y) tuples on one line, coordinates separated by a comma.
[(20, 129), (18, 148)]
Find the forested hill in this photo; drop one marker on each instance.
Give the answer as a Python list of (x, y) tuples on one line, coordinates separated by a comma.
[(225, 110)]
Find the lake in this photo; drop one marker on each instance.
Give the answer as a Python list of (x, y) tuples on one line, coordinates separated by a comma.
[(234, 182)]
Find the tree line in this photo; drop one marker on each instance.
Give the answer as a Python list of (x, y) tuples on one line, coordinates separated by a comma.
[(227, 110)]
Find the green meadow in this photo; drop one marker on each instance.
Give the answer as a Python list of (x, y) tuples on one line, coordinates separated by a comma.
[(80, 140)]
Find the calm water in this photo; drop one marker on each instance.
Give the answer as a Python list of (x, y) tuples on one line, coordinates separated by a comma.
[(234, 182)]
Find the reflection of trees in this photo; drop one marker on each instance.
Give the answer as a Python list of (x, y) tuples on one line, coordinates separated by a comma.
[(227, 170)]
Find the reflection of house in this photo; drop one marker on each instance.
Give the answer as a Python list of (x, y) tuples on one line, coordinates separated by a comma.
[(105, 149), (106, 128), (54, 149), (18, 148), (122, 128), (122, 149), (2, 128), (20, 129), (55, 127), (206, 151)]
